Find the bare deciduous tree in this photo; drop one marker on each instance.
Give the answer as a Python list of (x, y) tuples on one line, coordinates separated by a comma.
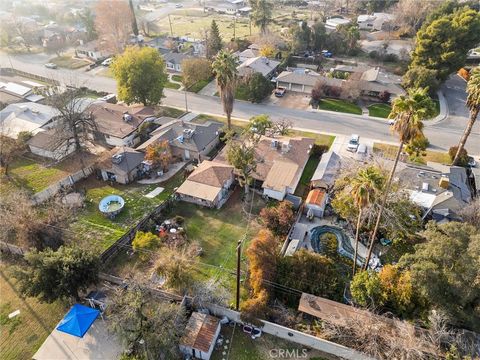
[(113, 23)]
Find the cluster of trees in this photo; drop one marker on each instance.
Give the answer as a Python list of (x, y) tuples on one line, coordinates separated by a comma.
[(257, 87), (10, 148), (442, 44), (159, 154), (342, 41)]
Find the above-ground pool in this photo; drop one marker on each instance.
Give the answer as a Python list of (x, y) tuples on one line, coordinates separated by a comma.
[(111, 205), (344, 246)]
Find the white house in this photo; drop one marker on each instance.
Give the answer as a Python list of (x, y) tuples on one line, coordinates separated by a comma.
[(200, 336), (46, 144), (374, 21), (173, 61), (25, 117), (94, 50), (260, 64), (333, 23)]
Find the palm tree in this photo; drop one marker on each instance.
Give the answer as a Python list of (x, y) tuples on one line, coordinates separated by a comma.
[(408, 111), (365, 186), (225, 68), (473, 104)]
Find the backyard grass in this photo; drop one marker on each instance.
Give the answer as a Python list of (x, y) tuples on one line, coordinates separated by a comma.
[(172, 85), (242, 347), (389, 151), (34, 176), (23, 335), (69, 62), (339, 106), (307, 174), (91, 228), (217, 232), (379, 110), (177, 78)]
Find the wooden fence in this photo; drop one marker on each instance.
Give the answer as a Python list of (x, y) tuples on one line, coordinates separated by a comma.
[(11, 72)]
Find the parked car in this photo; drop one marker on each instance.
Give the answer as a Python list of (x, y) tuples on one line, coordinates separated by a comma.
[(361, 153), (51, 65), (471, 161), (107, 62), (178, 6), (352, 145), (280, 91), (391, 122), (326, 53)]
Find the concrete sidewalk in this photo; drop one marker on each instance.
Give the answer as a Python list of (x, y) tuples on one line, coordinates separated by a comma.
[(210, 89)]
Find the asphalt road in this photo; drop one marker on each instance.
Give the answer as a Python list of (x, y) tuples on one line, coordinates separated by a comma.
[(441, 135)]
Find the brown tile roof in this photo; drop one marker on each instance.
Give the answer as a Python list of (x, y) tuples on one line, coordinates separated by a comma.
[(109, 118), (45, 140), (298, 153), (211, 173), (200, 332)]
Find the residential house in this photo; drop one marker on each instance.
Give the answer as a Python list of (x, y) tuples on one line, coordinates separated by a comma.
[(46, 143), (280, 164), (173, 60), (316, 202), (374, 21), (298, 80), (229, 7), (18, 91), (260, 64), (117, 124), (94, 50), (333, 23), (326, 171), (208, 185), (245, 11), (200, 336), (26, 117), (162, 43), (441, 191), (188, 141), (122, 165)]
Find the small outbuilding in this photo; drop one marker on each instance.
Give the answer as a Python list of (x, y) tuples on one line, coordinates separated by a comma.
[(316, 201), (200, 336)]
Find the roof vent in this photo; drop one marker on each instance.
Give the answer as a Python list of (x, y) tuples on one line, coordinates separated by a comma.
[(285, 147), (274, 144), (188, 133), (425, 186), (117, 158), (127, 117)]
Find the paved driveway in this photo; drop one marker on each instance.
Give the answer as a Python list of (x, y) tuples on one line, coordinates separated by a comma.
[(291, 100)]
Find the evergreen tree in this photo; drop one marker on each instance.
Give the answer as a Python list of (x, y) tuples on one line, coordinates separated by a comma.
[(214, 44)]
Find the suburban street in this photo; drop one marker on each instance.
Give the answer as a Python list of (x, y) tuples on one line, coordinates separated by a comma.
[(441, 134)]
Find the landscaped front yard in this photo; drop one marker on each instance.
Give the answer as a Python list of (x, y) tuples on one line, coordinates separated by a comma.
[(23, 335), (379, 110), (389, 151), (69, 62), (92, 229), (339, 106)]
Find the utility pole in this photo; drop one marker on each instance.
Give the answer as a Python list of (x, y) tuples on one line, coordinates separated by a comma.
[(170, 22), (186, 103), (234, 26), (250, 24), (239, 255)]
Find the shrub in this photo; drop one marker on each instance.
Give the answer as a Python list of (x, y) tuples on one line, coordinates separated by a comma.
[(145, 241), (463, 159), (384, 96), (278, 219)]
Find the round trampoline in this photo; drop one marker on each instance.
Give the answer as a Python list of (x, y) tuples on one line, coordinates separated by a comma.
[(111, 205)]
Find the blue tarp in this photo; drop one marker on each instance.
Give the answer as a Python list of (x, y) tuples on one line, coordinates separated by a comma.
[(78, 320)]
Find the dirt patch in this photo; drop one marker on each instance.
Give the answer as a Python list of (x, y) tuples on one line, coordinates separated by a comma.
[(291, 100)]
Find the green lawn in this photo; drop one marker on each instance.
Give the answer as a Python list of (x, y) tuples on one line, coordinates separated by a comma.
[(217, 232), (23, 335), (69, 62), (172, 85), (90, 228), (177, 78), (169, 111), (379, 110), (242, 92), (307, 174), (33, 175), (198, 86), (389, 152), (339, 106), (243, 347)]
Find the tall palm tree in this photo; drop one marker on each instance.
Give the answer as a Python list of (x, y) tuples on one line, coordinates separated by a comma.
[(408, 111), (365, 186), (225, 68), (473, 104)]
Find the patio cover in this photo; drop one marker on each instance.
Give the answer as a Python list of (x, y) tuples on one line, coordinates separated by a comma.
[(78, 320)]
